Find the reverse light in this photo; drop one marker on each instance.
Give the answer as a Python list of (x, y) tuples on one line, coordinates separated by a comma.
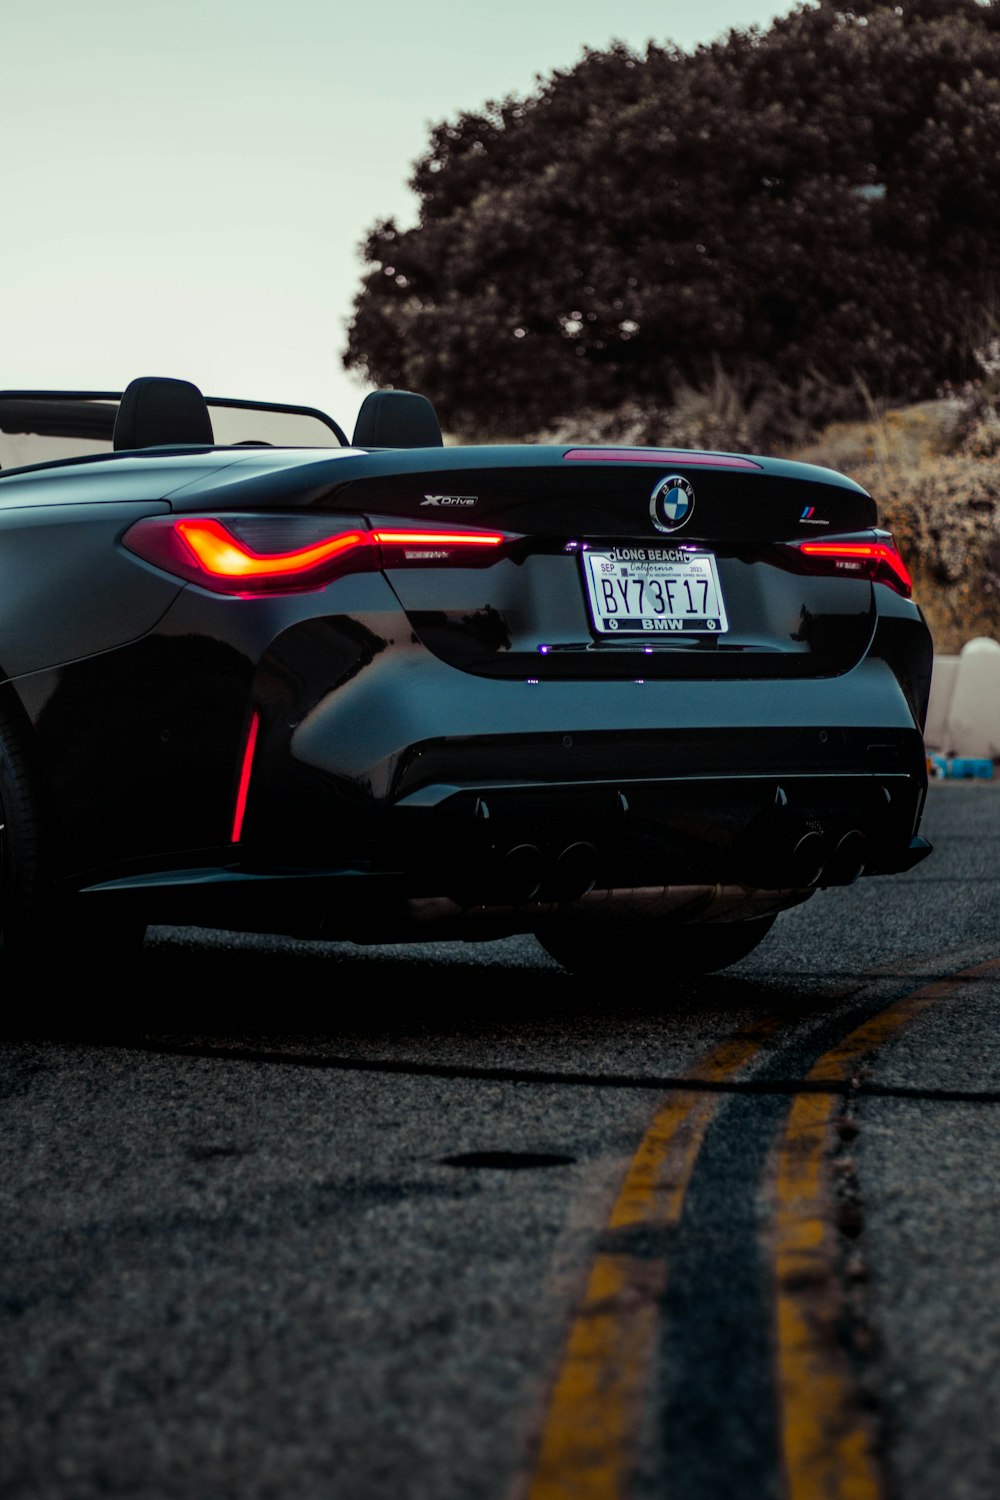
[(400, 547), (251, 556), (878, 561)]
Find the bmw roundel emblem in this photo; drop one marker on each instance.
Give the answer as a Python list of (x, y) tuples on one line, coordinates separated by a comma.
[(671, 503)]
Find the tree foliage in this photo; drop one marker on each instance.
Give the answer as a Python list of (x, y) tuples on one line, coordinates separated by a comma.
[(818, 201)]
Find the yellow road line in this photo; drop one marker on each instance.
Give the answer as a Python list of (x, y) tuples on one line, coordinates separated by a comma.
[(587, 1445), (827, 1441)]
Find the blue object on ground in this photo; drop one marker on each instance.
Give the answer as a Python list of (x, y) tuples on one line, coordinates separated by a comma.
[(960, 766), (977, 767)]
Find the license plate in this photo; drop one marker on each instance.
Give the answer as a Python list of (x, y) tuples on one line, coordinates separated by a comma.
[(654, 591)]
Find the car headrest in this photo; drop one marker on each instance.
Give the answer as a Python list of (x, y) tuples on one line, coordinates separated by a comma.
[(155, 410), (397, 419)]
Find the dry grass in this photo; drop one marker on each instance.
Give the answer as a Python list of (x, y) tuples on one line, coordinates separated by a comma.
[(901, 439)]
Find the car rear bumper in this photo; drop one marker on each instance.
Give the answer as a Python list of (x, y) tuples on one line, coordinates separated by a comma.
[(360, 906), (373, 755), (495, 791)]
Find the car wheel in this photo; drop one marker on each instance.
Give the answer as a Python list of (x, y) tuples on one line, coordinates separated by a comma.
[(34, 927), (585, 947)]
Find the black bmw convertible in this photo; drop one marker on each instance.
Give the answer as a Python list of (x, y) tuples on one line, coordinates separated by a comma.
[(258, 677)]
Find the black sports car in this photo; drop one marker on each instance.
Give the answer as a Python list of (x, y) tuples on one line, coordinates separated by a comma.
[(253, 676)]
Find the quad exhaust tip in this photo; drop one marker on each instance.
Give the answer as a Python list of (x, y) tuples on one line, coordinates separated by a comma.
[(524, 873), (775, 857)]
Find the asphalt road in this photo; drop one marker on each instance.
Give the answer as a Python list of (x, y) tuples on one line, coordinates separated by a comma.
[(300, 1222)]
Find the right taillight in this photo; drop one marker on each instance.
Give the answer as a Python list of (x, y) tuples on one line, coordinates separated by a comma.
[(877, 560)]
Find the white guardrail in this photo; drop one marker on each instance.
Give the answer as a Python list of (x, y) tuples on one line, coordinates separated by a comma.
[(963, 720)]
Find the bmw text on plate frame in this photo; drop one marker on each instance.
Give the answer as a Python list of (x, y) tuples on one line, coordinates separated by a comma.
[(256, 676)]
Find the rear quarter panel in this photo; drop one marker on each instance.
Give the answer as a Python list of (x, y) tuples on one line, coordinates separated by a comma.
[(68, 590)]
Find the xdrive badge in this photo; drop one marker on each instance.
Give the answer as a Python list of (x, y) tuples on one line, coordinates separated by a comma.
[(671, 503)]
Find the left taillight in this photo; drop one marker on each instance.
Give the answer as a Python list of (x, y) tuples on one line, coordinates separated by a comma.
[(250, 556)]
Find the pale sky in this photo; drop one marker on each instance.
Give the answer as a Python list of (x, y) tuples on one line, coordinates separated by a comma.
[(186, 184)]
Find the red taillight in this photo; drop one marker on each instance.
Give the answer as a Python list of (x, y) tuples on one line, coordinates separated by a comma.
[(879, 562), (254, 555), (220, 554)]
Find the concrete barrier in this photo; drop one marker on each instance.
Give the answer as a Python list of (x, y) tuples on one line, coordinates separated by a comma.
[(936, 734), (963, 718)]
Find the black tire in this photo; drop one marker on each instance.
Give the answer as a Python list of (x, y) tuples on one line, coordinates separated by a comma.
[(35, 926), (590, 947)]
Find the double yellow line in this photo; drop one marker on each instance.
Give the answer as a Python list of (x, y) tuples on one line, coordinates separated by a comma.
[(827, 1441), (586, 1448), (588, 1440)]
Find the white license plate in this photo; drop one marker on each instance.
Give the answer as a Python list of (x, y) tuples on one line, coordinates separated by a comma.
[(654, 591)]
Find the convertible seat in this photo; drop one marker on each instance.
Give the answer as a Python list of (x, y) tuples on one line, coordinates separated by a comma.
[(397, 419), (155, 410)]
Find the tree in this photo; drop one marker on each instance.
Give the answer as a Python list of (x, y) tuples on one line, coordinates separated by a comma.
[(821, 197)]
